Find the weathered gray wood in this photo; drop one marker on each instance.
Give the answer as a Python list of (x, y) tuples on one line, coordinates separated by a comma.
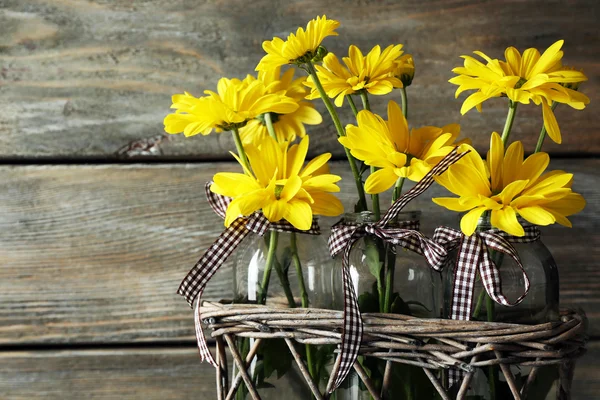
[(95, 253), (157, 373), (82, 78)]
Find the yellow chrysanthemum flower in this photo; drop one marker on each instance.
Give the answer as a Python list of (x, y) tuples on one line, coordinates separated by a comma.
[(507, 186), (279, 185), (286, 126), (396, 151), (522, 78), (298, 48), (235, 103), (373, 73)]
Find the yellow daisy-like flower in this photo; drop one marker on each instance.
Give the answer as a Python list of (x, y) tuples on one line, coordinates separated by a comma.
[(280, 186), (396, 151), (525, 78), (373, 73), (298, 48), (507, 186), (287, 126), (235, 103)]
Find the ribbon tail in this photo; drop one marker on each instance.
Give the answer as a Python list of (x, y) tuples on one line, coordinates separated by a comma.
[(353, 329), (205, 354), (195, 281), (490, 275), (464, 277)]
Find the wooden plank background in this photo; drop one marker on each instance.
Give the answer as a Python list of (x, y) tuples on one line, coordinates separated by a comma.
[(83, 79), (92, 249)]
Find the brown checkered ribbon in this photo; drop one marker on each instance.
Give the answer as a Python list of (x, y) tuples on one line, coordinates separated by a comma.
[(195, 281), (343, 237), (473, 257)]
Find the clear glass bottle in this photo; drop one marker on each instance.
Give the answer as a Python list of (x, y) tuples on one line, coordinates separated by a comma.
[(539, 306), (389, 278), (285, 269), (541, 303)]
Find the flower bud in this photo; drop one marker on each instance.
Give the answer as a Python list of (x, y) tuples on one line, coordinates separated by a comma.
[(405, 69), (319, 54)]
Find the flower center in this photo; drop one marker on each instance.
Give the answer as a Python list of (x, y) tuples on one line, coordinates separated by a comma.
[(520, 83), (278, 190)]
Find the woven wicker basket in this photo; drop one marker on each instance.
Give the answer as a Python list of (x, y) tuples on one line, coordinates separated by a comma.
[(467, 345)]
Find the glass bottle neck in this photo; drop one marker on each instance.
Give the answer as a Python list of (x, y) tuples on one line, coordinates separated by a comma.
[(367, 217)]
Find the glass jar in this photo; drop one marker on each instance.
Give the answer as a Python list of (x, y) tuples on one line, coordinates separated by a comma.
[(284, 269), (541, 303), (539, 306), (390, 279)]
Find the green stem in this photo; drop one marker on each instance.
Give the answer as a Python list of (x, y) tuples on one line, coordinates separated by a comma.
[(362, 200), (304, 297), (397, 189), (374, 197), (240, 148), (264, 287), (352, 105), (389, 279), (298, 266), (365, 100), (269, 125), (404, 102), (510, 118), (493, 378), (540, 141), (285, 284)]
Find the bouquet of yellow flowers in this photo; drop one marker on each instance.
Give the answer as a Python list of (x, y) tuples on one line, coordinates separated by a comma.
[(270, 206)]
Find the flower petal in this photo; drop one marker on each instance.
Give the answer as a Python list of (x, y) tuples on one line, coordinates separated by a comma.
[(380, 181)]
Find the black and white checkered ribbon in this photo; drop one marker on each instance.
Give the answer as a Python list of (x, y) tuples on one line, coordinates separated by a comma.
[(343, 237), (473, 257), (195, 281)]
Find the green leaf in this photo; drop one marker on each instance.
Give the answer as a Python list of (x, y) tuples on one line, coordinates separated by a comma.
[(542, 384), (276, 357), (372, 258), (286, 260), (368, 302), (399, 306)]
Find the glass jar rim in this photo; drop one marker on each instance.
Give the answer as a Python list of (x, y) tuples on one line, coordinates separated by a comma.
[(368, 216)]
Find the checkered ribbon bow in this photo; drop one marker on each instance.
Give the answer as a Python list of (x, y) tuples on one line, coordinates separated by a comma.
[(195, 281), (344, 236), (473, 256)]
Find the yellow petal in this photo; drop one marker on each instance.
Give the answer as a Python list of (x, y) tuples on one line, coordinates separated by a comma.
[(550, 123), (468, 222), (233, 184), (453, 203), (299, 214), (467, 182), (513, 159), (537, 215), (550, 57), (506, 220), (324, 183), (326, 204), (250, 202), (511, 191), (380, 181), (296, 159), (495, 160), (533, 167), (315, 164), (275, 210), (291, 187)]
